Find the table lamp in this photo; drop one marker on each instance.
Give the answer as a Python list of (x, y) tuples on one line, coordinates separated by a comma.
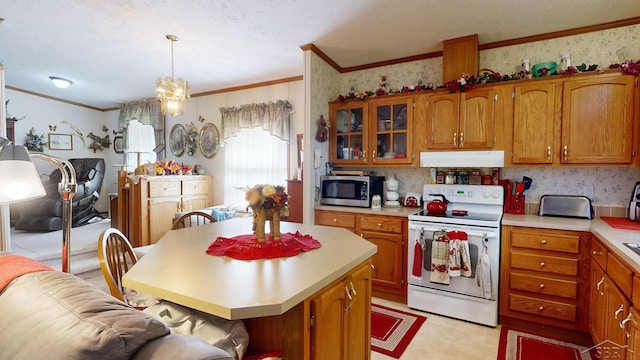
[(140, 139), (19, 181)]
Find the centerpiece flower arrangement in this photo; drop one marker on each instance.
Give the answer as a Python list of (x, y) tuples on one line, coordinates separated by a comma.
[(35, 142), (268, 202), (172, 168)]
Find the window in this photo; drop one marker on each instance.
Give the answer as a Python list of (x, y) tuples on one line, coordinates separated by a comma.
[(253, 157)]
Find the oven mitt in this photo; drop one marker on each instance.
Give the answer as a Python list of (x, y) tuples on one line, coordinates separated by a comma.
[(417, 259)]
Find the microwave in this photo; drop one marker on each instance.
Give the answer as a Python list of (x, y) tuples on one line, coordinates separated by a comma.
[(350, 190)]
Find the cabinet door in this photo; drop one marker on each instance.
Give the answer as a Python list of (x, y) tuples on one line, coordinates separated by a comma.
[(390, 128), (634, 335), (597, 318), (477, 114), (442, 121), (328, 334), (617, 310), (194, 202), (387, 262), (348, 133), (359, 315), (161, 214), (597, 120), (533, 122)]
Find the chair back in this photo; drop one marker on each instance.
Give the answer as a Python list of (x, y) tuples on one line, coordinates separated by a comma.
[(192, 218), (116, 258)]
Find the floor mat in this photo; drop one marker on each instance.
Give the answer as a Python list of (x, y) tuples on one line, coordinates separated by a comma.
[(392, 330)]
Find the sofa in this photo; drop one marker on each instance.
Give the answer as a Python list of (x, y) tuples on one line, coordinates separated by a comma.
[(46, 314), (45, 214)]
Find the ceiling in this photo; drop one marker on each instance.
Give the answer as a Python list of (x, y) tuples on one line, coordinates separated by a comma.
[(114, 50)]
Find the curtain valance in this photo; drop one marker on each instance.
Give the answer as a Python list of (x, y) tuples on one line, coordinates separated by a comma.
[(272, 117)]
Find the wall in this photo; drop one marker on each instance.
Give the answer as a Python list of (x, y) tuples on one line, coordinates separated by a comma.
[(606, 186)]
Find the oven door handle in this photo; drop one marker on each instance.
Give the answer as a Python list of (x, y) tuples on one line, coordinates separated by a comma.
[(490, 233)]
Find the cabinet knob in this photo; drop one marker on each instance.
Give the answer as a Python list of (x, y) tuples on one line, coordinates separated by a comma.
[(541, 308), (541, 286), (543, 264), (335, 220), (543, 242), (379, 225), (596, 252)]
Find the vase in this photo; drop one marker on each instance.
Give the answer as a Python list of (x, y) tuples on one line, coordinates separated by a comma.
[(260, 217)]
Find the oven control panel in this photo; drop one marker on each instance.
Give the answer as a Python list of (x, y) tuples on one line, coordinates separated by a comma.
[(473, 194)]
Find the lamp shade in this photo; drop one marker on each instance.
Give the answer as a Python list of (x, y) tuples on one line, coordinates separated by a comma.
[(19, 179)]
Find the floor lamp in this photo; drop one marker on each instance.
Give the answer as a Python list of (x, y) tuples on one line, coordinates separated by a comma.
[(19, 181)]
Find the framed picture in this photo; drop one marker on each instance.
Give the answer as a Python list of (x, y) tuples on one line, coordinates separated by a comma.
[(209, 140), (118, 144), (176, 139), (60, 141)]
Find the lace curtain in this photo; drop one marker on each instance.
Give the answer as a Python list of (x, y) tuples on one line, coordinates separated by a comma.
[(272, 117), (148, 113), (256, 138)]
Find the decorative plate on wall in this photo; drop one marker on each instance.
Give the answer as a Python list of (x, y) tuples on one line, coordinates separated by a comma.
[(209, 140), (176, 139)]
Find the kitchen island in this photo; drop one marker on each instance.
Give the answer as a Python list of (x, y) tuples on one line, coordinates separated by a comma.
[(306, 306)]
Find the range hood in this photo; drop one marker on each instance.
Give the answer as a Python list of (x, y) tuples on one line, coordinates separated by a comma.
[(462, 159)]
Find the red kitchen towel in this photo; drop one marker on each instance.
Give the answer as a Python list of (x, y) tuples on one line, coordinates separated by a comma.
[(417, 259), (621, 223)]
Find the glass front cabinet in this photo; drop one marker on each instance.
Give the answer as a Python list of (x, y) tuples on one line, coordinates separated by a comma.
[(372, 132)]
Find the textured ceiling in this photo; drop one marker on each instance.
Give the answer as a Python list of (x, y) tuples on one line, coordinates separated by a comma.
[(114, 50)]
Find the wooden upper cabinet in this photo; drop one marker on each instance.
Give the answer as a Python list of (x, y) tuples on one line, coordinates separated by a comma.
[(348, 132), (597, 120), (390, 130), (461, 120), (533, 123), (460, 55)]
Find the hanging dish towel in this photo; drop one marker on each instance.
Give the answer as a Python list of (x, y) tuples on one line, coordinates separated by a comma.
[(440, 258), (483, 273), (459, 259), (417, 259)]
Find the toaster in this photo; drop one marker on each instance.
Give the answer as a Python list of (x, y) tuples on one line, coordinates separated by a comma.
[(634, 203), (570, 206)]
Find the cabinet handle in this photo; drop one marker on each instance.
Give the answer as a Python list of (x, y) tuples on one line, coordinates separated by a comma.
[(348, 296), (543, 242), (620, 309), (543, 264), (541, 308), (455, 139), (566, 152), (364, 156), (353, 290), (541, 286), (373, 156), (461, 139), (549, 153), (623, 324), (596, 252), (599, 284)]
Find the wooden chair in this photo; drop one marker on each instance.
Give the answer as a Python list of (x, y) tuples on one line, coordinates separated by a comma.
[(116, 258), (192, 218)]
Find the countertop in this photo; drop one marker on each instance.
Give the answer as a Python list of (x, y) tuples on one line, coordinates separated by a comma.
[(388, 211), (612, 238), (178, 269)]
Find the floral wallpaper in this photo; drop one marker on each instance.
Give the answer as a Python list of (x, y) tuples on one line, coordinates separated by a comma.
[(605, 186)]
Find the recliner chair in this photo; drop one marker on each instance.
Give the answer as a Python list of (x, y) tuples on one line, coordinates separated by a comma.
[(45, 214)]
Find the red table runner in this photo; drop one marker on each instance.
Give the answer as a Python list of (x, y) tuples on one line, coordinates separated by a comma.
[(245, 247)]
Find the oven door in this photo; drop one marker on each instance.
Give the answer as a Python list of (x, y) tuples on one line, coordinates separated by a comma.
[(481, 240)]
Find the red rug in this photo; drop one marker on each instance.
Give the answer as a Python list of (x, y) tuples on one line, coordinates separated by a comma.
[(516, 345), (244, 247), (392, 330)]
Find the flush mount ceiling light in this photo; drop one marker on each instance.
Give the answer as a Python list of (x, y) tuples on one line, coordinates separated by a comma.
[(172, 92), (60, 82)]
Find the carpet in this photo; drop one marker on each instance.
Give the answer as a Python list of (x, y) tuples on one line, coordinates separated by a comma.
[(392, 330), (516, 345)]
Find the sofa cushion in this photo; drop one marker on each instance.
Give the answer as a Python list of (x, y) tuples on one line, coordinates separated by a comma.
[(54, 315)]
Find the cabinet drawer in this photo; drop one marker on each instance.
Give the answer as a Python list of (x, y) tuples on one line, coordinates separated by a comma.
[(192, 187), (546, 308), (548, 264), (336, 219), (599, 253), (563, 243), (544, 285), (379, 223), (164, 188), (620, 274)]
